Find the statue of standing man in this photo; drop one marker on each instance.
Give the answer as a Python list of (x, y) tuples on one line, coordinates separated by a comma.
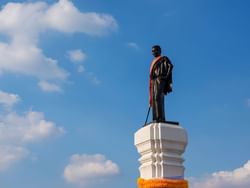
[(160, 83)]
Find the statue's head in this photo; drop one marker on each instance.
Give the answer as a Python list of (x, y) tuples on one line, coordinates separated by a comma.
[(156, 50)]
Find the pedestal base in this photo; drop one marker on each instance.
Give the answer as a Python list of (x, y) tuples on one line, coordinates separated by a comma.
[(161, 146), (162, 183)]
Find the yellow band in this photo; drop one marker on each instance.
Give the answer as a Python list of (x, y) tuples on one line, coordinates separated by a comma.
[(162, 183)]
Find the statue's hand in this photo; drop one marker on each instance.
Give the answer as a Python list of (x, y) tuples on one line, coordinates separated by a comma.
[(150, 101)]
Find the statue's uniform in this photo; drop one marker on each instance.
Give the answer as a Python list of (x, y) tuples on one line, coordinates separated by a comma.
[(160, 85)]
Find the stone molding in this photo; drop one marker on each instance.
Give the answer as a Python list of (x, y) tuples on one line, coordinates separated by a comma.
[(161, 146)]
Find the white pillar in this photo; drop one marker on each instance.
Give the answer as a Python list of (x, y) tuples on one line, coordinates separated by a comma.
[(161, 146)]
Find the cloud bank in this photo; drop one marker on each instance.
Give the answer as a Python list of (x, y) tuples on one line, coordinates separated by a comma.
[(85, 170), (49, 87), (22, 24), (76, 55), (248, 102), (16, 131), (133, 45), (7, 99), (238, 178), (10, 155)]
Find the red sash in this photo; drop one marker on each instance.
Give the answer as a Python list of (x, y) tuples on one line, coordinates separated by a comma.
[(154, 62)]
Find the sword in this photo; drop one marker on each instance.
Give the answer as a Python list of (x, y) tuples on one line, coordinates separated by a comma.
[(147, 116)]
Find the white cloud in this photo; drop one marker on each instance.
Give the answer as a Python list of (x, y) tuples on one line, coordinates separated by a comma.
[(8, 99), (93, 78), (133, 45), (238, 178), (248, 102), (75, 21), (76, 55), (88, 169), (22, 24), (80, 68), (10, 155), (27, 128), (49, 87), (16, 131)]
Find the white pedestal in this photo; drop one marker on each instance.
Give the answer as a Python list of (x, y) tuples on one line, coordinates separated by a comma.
[(161, 146)]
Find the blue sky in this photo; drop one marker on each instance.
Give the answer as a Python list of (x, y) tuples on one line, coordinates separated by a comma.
[(74, 89)]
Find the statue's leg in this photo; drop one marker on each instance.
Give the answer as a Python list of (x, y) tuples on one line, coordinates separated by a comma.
[(161, 108), (158, 102), (154, 111), (154, 103)]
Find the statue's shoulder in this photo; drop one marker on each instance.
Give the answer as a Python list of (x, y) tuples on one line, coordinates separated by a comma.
[(167, 60)]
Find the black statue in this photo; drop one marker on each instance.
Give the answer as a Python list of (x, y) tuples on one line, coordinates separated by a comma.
[(160, 83)]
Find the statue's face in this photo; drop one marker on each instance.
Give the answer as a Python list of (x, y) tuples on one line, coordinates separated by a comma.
[(156, 52)]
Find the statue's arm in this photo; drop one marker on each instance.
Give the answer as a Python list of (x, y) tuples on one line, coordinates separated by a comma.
[(167, 67)]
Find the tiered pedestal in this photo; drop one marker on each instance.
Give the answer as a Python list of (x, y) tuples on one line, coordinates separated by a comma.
[(161, 146)]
